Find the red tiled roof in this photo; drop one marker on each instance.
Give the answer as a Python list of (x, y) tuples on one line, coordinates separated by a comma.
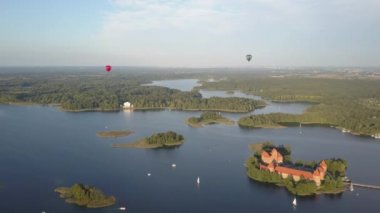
[(274, 150), (320, 170), (265, 154), (323, 164), (295, 172), (317, 173), (271, 166)]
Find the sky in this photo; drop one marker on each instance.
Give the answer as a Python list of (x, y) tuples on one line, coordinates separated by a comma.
[(190, 33)]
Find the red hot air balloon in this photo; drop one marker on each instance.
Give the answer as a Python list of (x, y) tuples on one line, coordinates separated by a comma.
[(108, 68)]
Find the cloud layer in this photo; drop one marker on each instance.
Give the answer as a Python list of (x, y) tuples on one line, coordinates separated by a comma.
[(195, 33)]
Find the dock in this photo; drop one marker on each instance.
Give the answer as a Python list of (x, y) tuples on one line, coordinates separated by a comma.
[(366, 186)]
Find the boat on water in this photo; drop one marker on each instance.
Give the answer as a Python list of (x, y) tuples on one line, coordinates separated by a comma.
[(198, 180), (351, 187), (173, 165), (294, 202), (122, 208)]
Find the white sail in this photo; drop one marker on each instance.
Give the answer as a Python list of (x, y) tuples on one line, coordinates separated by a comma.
[(295, 202), (198, 180), (351, 187)]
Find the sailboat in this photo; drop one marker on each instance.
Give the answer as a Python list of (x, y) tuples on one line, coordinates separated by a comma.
[(300, 128), (198, 180), (351, 187), (294, 202), (122, 208)]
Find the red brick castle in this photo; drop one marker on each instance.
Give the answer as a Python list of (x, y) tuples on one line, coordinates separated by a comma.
[(273, 162)]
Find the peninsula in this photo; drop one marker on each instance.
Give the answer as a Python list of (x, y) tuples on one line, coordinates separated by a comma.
[(207, 118), (114, 134), (157, 140), (350, 103), (83, 195), (272, 164)]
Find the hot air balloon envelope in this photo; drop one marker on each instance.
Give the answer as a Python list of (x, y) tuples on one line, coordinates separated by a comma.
[(108, 68), (248, 57)]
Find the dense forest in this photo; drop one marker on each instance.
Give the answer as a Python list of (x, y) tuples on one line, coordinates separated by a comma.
[(165, 139), (88, 91), (208, 118), (84, 195), (353, 104)]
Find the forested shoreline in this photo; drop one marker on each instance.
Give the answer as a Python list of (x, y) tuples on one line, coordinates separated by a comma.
[(86, 92), (351, 104), (208, 118)]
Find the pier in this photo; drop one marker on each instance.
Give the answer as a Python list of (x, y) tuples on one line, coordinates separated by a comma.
[(366, 186)]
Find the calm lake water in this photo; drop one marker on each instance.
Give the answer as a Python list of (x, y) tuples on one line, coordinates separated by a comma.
[(42, 148)]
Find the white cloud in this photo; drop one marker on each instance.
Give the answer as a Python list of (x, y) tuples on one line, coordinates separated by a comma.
[(170, 32), (142, 15)]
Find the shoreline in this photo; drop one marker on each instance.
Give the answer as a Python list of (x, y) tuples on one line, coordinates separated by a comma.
[(193, 110), (210, 122), (284, 125), (142, 144)]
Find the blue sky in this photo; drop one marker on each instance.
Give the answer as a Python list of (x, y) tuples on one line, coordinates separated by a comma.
[(190, 33)]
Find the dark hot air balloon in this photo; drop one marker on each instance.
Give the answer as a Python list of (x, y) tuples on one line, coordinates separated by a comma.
[(248, 57), (108, 68)]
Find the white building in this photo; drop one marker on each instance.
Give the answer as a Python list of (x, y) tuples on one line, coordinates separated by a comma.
[(127, 105)]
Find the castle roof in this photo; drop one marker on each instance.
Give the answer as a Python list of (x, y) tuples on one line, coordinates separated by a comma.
[(271, 166), (323, 164), (295, 172), (265, 154), (274, 151)]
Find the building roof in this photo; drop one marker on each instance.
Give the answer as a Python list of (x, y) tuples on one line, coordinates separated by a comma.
[(320, 170), (317, 173), (295, 172), (274, 151), (323, 164), (265, 154), (271, 166)]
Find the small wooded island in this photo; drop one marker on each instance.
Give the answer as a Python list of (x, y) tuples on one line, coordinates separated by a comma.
[(158, 140), (114, 134), (83, 195), (207, 118), (272, 164)]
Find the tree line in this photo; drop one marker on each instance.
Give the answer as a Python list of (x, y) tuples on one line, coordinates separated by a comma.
[(96, 92), (353, 104), (164, 138)]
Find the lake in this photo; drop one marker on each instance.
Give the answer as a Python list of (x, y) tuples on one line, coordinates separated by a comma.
[(42, 148)]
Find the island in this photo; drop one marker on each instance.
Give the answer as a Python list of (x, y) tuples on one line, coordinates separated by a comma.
[(114, 134), (207, 118), (272, 164), (158, 140), (84, 195)]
